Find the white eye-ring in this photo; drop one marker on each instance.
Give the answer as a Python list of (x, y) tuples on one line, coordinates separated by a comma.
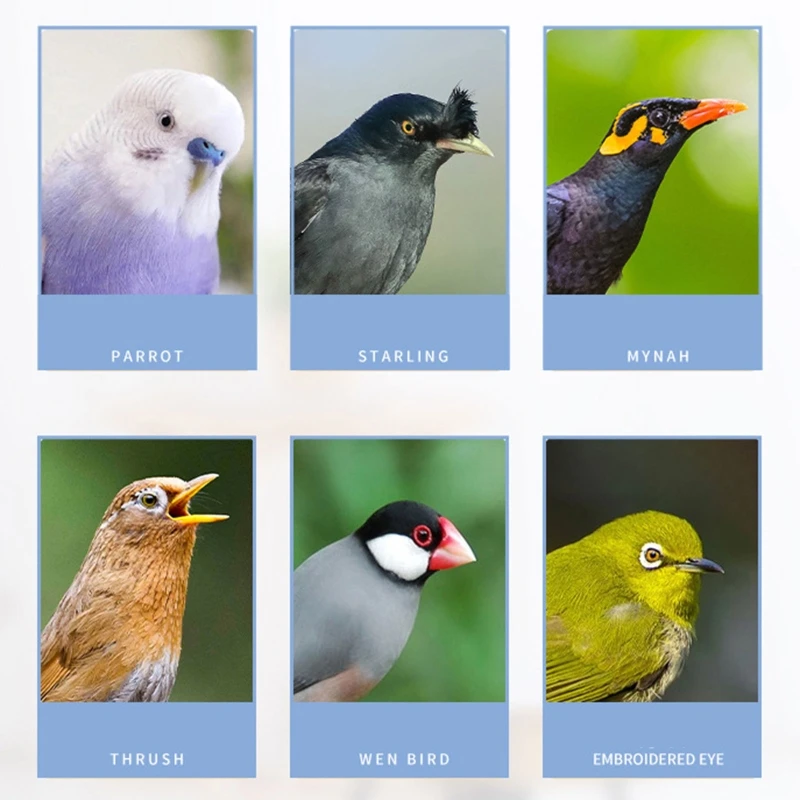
[(650, 555)]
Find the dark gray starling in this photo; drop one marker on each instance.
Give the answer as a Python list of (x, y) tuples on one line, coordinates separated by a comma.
[(363, 203)]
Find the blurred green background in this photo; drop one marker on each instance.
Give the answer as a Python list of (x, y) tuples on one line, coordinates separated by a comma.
[(702, 236), (82, 68), (712, 483), (79, 479), (339, 73), (457, 649), (235, 50)]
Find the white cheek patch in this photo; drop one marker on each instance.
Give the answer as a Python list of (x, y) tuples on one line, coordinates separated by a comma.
[(399, 555)]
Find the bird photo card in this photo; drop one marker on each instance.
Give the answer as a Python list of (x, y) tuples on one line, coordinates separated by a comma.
[(652, 632), (399, 608), (146, 598), (400, 197), (146, 204), (652, 213)]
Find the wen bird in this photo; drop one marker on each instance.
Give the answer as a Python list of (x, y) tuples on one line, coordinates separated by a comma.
[(363, 202), (356, 600), (596, 216)]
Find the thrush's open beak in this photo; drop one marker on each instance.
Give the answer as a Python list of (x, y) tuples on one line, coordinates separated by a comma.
[(710, 111), (470, 144), (700, 565), (179, 507), (453, 550)]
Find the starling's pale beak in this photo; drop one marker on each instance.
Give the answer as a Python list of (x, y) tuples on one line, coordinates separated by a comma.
[(699, 565), (470, 144), (179, 507), (710, 111)]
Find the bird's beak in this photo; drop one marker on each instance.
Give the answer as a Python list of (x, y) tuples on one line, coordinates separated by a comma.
[(699, 565), (469, 144), (710, 111), (179, 507), (202, 150), (453, 550)]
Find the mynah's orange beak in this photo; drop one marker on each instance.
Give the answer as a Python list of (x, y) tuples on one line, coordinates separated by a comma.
[(710, 111)]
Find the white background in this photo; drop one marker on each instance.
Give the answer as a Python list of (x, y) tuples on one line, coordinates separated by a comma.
[(274, 403)]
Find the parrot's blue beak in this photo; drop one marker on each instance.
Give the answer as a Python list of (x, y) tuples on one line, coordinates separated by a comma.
[(202, 150), (699, 565)]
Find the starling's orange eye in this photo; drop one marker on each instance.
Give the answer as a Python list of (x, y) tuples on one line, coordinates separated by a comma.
[(650, 555), (408, 127)]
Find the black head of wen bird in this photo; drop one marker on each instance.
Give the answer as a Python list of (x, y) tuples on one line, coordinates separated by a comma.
[(596, 216), (363, 203)]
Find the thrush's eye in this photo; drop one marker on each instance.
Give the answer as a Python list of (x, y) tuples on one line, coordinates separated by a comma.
[(650, 555), (408, 127), (166, 121), (149, 500), (659, 117), (422, 535)]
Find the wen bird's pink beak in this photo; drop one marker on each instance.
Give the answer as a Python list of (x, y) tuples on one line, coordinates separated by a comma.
[(453, 550)]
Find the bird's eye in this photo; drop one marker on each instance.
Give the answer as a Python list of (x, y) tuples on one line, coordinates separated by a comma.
[(149, 500), (408, 127), (166, 121), (650, 556), (659, 117), (422, 535)]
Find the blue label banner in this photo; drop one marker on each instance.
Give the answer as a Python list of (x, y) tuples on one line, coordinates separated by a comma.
[(155, 740), (394, 332), (407, 740), (147, 332), (684, 332), (652, 740)]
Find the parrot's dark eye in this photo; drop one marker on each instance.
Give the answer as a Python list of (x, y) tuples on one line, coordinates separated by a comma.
[(659, 117), (422, 535), (166, 121), (408, 127), (650, 555), (149, 500)]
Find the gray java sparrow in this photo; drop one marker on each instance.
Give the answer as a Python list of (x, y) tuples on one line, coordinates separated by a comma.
[(355, 601)]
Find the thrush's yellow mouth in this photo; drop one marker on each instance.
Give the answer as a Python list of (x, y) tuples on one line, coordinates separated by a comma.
[(179, 505)]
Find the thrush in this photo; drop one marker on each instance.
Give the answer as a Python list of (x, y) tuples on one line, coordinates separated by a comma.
[(596, 216), (363, 203), (116, 634)]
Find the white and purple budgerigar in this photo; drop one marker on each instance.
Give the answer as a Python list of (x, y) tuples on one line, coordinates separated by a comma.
[(130, 202)]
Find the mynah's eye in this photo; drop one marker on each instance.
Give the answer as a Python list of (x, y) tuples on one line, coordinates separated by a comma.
[(408, 127), (659, 117)]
